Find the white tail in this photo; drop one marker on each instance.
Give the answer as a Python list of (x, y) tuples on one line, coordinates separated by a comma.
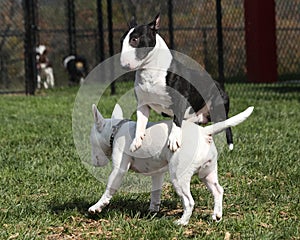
[(230, 122)]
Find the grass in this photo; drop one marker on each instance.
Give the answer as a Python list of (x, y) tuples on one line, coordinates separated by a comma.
[(46, 191)]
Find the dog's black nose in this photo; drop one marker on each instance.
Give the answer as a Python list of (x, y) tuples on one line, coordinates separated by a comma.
[(126, 66)]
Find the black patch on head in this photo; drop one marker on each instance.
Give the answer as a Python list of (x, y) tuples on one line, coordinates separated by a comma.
[(143, 38)]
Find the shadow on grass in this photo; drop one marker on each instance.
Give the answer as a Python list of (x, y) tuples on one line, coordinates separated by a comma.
[(283, 90), (77, 204), (132, 207), (138, 208)]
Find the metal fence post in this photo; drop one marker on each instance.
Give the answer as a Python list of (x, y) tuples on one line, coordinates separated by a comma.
[(100, 55), (220, 43), (205, 52), (29, 7), (171, 29), (71, 26), (110, 39)]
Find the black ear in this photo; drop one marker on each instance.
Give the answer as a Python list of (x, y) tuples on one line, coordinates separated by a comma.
[(155, 24), (132, 22)]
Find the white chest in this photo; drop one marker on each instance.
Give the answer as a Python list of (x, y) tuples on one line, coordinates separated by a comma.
[(151, 90)]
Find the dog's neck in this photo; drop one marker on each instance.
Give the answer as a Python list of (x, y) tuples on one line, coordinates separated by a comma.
[(156, 64), (115, 130), (160, 57), (108, 133), (103, 136)]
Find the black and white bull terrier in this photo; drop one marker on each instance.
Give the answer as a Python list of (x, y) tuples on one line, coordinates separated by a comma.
[(110, 138), (158, 87), (45, 75)]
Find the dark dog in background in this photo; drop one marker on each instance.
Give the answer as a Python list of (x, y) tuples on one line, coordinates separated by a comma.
[(76, 67)]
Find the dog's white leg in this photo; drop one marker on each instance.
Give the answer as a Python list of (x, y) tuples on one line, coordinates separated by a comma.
[(39, 81), (104, 200), (157, 182), (50, 76), (174, 140), (114, 182), (45, 84), (142, 120), (212, 183), (81, 80), (182, 187)]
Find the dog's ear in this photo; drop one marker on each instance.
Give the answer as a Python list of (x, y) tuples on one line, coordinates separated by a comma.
[(117, 112), (155, 24), (99, 120), (132, 22)]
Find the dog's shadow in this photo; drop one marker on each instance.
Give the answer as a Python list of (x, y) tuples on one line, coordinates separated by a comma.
[(132, 207), (76, 204)]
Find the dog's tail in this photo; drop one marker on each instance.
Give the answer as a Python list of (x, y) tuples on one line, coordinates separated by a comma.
[(231, 122)]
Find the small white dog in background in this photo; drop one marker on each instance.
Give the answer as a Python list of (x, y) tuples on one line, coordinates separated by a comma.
[(45, 75), (111, 138)]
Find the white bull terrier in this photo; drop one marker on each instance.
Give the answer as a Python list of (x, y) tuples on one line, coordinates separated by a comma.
[(112, 138), (44, 68)]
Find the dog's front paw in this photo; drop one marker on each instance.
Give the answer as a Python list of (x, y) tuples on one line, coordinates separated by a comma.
[(174, 141), (217, 217), (136, 143), (95, 209), (181, 222), (154, 208)]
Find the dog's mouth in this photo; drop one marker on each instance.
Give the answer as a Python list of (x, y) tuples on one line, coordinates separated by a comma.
[(135, 58), (127, 66)]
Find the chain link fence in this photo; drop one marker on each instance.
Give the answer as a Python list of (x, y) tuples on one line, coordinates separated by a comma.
[(187, 26), (288, 39), (11, 46)]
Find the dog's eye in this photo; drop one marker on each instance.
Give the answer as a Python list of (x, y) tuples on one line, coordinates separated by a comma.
[(134, 42)]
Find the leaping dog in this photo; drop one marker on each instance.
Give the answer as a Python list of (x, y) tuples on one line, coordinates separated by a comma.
[(159, 87)]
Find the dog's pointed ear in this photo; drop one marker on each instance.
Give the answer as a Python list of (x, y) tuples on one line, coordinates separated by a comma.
[(99, 120), (155, 24), (117, 112), (132, 22)]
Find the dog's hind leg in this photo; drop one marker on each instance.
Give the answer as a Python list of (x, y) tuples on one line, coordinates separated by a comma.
[(182, 187), (39, 80), (212, 183), (50, 76), (157, 182)]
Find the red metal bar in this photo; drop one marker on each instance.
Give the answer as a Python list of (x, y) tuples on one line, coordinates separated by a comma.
[(260, 31)]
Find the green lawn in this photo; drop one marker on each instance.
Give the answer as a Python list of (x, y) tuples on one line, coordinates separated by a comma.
[(46, 190)]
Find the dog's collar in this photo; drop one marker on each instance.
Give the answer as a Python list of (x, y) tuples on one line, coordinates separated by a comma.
[(115, 130)]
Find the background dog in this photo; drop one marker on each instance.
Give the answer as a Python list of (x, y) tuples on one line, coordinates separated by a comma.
[(76, 67), (45, 75), (158, 85), (112, 137)]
